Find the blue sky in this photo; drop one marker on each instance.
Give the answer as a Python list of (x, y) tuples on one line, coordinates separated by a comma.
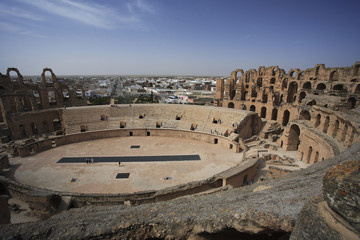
[(178, 37)]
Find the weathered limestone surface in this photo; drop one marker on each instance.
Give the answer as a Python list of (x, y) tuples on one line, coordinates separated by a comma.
[(335, 215), (264, 208), (342, 191)]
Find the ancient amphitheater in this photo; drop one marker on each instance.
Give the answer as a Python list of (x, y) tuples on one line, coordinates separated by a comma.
[(252, 166)]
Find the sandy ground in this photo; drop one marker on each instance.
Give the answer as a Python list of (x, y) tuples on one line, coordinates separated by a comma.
[(41, 170)]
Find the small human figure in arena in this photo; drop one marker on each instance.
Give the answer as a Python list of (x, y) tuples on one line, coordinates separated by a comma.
[(92, 160), (119, 163)]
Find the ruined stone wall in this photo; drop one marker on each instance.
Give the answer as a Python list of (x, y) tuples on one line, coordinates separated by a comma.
[(20, 101), (330, 124), (222, 122)]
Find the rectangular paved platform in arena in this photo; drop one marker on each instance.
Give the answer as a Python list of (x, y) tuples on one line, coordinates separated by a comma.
[(166, 158)]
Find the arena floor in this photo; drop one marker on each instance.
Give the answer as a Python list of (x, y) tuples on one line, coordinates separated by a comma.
[(43, 171)]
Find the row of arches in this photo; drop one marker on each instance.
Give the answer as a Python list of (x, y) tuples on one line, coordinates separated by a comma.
[(13, 75)]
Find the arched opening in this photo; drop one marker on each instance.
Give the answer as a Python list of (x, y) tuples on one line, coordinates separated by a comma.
[(316, 159), (66, 95), (302, 95), (293, 86), (263, 112), (292, 74), (244, 107), (307, 85), (318, 120), (336, 128), (261, 71), (304, 115), (253, 93), (357, 89), (274, 114), (48, 77), (272, 81), (52, 97), (231, 105), (334, 76), (264, 98), (252, 108), (22, 131), (311, 103), (326, 124), (321, 86), (286, 118), (259, 82), (284, 84), (37, 98), (14, 76), (344, 132), (274, 72), (79, 94), (309, 155), (339, 87), (300, 76), (293, 139), (351, 103)]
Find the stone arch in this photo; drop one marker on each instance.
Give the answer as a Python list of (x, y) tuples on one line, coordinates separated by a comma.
[(293, 139), (19, 76), (326, 124), (334, 75), (252, 108), (308, 158), (321, 86), (244, 107), (274, 71), (238, 75), (316, 159), (292, 74), (311, 102), (274, 114), (272, 81), (286, 117), (336, 128), (43, 77), (300, 76), (304, 115), (307, 85), (284, 84), (317, 120), (259, 82), (231, 105), (261, 70), (302, 95), (293, 86), (263, 112)]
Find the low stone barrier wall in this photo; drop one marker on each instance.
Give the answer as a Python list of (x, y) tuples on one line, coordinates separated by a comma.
[(39, 146)]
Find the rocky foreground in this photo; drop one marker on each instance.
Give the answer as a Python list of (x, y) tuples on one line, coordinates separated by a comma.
[(266, 210)]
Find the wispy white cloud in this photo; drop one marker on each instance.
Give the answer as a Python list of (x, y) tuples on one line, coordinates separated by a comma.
[(8, 27), (143, 6), (19, 13), (87, 13)]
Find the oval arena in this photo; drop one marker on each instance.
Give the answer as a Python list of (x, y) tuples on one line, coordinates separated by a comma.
[(264, 124)]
